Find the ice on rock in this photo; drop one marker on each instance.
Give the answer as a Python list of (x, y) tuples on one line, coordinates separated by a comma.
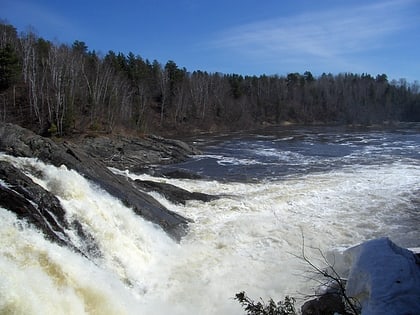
[(384, 278)]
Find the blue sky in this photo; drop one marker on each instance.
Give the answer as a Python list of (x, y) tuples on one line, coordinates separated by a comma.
[(239, 36)]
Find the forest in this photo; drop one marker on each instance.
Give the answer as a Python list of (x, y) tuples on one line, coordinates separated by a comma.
[(60, 89)]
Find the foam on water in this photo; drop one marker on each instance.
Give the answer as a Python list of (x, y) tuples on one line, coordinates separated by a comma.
[(38, 277), (249, 239), (128, 246)]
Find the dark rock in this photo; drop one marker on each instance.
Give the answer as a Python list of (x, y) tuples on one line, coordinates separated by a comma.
[(42, 209), (89, 245), (328, 304), (135, 153), (162, 171), (173, 193), (33, 203), (18, 141), (180, 174)]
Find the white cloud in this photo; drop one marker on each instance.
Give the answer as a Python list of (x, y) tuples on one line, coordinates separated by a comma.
[(325, 36)]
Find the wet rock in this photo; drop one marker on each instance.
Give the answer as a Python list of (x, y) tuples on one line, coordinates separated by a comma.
[(40, 208), (89, 244), (159, 171), (19, 194), (18, 141), (173, 193), (180, 174)]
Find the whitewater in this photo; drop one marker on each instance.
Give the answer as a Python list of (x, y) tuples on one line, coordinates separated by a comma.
[(281, 192)]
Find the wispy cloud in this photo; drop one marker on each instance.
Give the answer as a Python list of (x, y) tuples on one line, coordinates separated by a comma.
[(331, 35)]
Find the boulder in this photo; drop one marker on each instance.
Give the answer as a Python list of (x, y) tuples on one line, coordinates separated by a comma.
[(328, 304), (17, 141)]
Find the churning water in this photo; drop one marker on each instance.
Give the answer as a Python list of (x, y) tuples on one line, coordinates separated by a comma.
[(331, 186)]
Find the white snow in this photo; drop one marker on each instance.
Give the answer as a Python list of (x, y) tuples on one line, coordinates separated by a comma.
[(384, 278)]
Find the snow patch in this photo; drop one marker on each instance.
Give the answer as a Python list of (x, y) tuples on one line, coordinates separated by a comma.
[(384, 278)]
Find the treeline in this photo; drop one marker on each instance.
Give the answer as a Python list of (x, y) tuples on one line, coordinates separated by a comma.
[(59, 89)]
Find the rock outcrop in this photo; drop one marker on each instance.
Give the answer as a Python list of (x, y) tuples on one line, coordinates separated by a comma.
[(40, 208), (173, 193), (135, 153), (27, 200), (17, 141)]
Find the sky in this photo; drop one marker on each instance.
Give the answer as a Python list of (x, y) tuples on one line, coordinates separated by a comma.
[(248, 37)]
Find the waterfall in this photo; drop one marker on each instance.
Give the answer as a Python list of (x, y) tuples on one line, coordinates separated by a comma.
[(249, 239)]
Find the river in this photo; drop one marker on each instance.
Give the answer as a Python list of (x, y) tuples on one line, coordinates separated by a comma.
[(283, 190)]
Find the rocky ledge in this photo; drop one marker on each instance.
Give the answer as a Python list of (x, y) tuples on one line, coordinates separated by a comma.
[(39, 207), (90, 157), (134, 153)]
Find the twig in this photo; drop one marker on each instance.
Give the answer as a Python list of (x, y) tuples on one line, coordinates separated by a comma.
[(335, 277)]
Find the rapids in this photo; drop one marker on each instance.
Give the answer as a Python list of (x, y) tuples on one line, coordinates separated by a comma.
[(332, 191)]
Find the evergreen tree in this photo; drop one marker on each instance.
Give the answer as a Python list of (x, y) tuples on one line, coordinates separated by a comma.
[(43, 82), (9, 67)]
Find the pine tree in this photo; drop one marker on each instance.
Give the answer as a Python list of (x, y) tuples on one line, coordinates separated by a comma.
[(9, 67)]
